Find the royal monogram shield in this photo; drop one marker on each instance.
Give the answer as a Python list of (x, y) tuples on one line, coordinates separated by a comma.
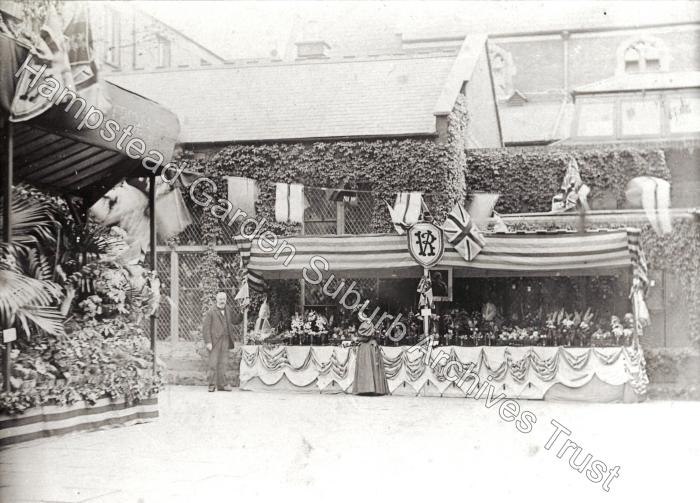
[(426, 243)]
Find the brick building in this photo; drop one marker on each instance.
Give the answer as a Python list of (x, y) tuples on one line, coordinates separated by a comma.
[(600, 86), (441, 98), (127, 39)]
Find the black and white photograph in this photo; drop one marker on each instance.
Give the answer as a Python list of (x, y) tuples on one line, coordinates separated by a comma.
[(348, 251), (441, 284)]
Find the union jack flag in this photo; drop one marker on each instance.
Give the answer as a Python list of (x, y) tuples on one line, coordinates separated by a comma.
[(463, 234)]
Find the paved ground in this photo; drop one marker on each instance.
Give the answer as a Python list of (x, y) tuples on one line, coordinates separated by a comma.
[(262, 446)]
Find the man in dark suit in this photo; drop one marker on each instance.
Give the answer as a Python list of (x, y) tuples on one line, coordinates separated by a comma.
[(218, 330)]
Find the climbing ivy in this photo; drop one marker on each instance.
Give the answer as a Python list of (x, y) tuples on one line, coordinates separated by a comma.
[(527, 179), (387, 166)]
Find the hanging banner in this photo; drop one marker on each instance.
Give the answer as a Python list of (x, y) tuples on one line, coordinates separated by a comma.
[(426, 243)]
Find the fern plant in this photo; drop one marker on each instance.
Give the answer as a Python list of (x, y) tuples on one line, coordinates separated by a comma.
[(29, 296)]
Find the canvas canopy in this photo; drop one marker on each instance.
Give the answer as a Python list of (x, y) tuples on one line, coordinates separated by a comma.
[(505, 254), (53, 153)]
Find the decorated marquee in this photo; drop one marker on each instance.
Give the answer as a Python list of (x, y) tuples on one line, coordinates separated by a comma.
[(386, 255)]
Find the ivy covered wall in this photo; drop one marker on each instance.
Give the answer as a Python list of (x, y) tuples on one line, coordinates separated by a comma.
[(527, 179), (387, 166), (448, 171)]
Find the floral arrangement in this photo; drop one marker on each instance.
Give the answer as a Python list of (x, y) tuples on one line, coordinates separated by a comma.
[(297, 324), (311, 324), (471, 328)]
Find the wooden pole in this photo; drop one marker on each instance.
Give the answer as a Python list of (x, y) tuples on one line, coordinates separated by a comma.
[(245, 325), (7, 230), (153, 257), (174, 296), (426, 317)]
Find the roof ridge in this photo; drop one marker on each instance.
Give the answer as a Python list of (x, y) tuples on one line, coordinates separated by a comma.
[(264, 63)]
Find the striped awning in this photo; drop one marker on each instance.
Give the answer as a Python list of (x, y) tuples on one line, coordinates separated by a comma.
[(505, 254), (57, 154)]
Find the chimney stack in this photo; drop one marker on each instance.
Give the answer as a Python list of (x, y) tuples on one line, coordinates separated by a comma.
[(312, 49)]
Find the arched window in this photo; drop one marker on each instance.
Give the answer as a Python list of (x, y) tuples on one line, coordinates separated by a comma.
[(642, 54)]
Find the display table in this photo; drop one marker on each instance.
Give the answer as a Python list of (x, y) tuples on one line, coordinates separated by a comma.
[(590, 374), (50, 420)]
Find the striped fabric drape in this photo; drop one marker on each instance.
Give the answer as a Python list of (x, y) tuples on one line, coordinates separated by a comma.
[(539, 253), (255, 281)]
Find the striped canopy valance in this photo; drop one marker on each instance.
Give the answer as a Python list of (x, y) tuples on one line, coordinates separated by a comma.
[(386, 255)]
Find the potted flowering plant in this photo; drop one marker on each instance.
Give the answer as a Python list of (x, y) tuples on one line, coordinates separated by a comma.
[(616, 329), (567, 329), (297, 328), (311, 327)]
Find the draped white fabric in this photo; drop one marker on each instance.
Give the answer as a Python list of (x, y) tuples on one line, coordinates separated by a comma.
[(518, 372)]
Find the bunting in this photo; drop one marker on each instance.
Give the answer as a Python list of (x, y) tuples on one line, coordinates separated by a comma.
[(251, 280), (242, 193), (289, 202), (406, 210), (342, 195), (654, 196)]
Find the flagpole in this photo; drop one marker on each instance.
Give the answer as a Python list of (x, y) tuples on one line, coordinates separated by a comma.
[(245, 325), (426, 317)]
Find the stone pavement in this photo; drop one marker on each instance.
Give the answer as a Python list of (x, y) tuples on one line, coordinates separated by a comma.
[(287, 447)]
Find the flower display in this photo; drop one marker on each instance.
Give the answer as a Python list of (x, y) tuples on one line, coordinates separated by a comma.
[(471, 328)]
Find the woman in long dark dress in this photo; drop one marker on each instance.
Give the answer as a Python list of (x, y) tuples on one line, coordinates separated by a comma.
[(370, 378)]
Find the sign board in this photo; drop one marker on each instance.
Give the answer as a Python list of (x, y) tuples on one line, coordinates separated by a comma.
[(9, 335), (426, 243)]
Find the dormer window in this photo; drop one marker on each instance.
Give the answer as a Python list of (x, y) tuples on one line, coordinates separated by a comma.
[(642, 55)]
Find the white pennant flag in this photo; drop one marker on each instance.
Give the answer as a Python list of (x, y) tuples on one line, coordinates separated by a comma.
[(289, 202), (654, 195), (406, 210), (242, 193), (481, 208)]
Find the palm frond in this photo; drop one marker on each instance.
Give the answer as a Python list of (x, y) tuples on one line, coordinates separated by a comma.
[(32, 222), (47, 318), (25, 297), (38, 265)]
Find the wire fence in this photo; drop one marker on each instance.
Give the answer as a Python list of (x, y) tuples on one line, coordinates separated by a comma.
[(326, 213)]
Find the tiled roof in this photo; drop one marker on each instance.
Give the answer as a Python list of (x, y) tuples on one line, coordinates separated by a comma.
[(375, 96), (641, 81)]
